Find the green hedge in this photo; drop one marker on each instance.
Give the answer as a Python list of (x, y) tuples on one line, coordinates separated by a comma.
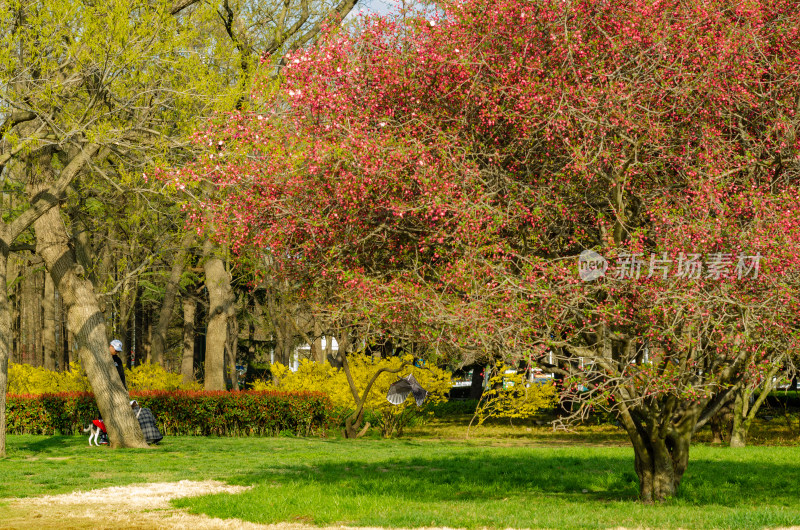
[(181, 412), (454, 408)]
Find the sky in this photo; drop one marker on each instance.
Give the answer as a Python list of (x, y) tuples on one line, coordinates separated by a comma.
[(378, 6), (382, 7)]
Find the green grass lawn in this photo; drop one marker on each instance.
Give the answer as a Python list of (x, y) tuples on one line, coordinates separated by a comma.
[(490, 482)]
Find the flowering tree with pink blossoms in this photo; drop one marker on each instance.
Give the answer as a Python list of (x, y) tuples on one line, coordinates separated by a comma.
[(605, 188)]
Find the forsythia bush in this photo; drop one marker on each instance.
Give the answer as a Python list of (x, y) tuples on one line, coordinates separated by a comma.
[(155, 377), (181, 412), (332, 381), (510, 396), (27, 379)]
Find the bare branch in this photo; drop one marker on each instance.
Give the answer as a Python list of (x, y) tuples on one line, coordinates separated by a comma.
[(180, 5)]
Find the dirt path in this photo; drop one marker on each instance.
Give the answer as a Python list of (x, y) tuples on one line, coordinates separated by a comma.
[(133, 506), (137, 506)]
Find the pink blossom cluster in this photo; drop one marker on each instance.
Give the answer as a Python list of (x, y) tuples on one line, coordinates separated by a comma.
[(438, 176)]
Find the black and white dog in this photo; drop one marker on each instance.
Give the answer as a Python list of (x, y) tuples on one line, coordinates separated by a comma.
[(94, 433)]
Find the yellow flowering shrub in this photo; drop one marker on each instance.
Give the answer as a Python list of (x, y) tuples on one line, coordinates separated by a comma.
[(510, 396), (332, 381), (27, 379), (154, 377)]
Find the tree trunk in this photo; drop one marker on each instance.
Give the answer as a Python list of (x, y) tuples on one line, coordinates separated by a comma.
[(740, 423), (187, 362), (282, 326), (30, 301), (69, 340), (661, 452), (49, 323), (147, 336), (72, 347), (28, 309), (105, 269), (26, 315), (721, 423), (83, 250), (220, 298), (317, 353), (168, 304), (127, 309), (660, 465), (232, 346), (40, 274), (353, 425), (5, 344), (13, 270), (88, 325), (744, 412), (333, 360), (283, 341)]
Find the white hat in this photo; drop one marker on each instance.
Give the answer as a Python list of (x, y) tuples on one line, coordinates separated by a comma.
[(117, 345)]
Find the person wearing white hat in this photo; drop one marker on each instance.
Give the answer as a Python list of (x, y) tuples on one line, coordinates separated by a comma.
[(114, 348)]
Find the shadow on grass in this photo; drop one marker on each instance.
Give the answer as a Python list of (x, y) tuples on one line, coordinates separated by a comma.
[(584, 475), (50, 443)]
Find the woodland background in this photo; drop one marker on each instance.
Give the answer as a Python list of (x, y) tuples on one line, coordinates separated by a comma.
[(131, 80)]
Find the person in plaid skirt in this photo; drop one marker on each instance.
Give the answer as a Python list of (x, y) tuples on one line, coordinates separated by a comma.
[(147, 422)]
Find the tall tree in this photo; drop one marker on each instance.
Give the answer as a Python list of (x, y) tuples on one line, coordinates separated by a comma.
[(187, 360), (93, 88), (220, 302), (170, 294), (44, 201), (582, 184), (49, 324)]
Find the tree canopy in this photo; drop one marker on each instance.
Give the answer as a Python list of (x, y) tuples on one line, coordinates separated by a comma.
[(441, 175), (92, 96)]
